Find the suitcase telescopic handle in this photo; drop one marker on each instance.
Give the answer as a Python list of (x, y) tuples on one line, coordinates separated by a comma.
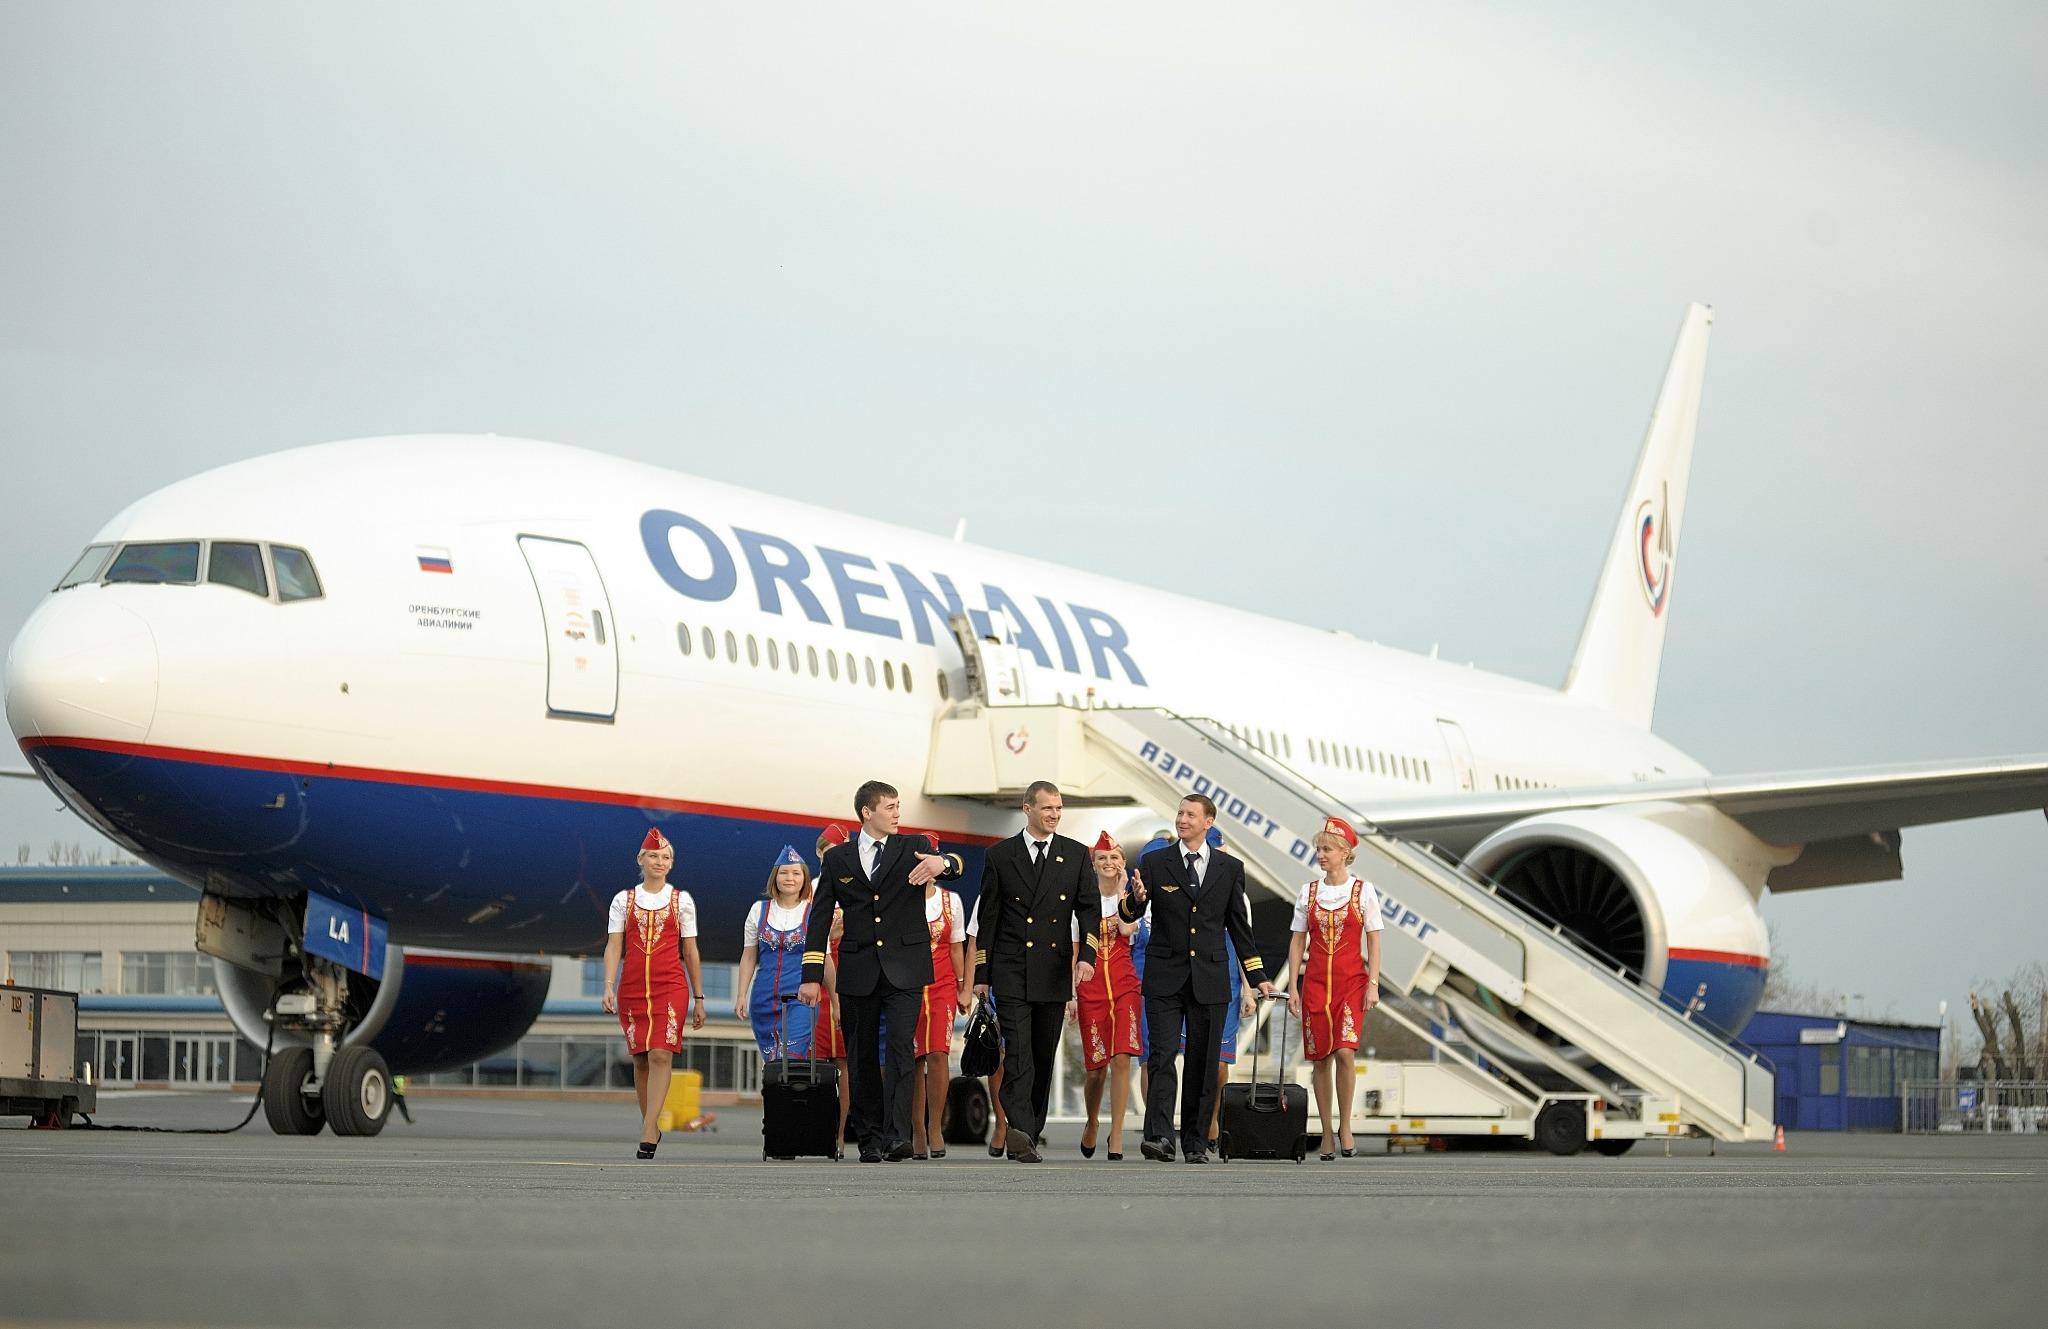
[(1281, 1078), (789, 999)]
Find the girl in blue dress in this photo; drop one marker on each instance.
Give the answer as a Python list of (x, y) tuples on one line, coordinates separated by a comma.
[(771, 961)]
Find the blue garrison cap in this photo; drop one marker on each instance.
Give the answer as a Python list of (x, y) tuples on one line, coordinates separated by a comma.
[(1215, 838), (790, 858)]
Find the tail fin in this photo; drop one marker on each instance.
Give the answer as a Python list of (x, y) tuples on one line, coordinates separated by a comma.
[(1622, 644)]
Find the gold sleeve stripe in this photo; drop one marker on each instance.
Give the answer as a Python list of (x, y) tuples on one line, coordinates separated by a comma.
[(814, 957), (1254, 963), (959, 863)]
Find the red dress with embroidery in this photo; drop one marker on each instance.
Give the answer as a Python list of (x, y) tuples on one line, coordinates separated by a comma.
[(935, 1017), (1110, 1003), (654, 992), (1333, 974), (826, 1035)]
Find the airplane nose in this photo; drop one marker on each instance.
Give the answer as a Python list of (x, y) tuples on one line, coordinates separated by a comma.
[(83, 666)]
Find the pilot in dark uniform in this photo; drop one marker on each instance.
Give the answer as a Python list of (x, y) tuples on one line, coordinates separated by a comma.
[(1187, 978), (1037, 890), (885, 961)]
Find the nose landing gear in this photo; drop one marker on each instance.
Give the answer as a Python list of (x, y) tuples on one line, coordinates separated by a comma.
[(308, 1087)]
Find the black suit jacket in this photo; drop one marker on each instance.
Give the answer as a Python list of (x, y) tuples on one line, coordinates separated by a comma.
[(1025, 948), (886, 936), (1188, 925)]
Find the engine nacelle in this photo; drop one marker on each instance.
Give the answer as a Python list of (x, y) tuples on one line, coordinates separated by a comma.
[(432, 1011), (1668, 890)]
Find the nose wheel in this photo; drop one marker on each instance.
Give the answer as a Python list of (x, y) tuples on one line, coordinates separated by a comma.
[(291, 1103), (356, 1092)]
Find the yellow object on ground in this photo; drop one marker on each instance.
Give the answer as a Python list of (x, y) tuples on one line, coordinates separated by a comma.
[(683, 1106)]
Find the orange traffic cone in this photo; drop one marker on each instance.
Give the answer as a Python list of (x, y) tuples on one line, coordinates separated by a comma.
[(1778, 1145)]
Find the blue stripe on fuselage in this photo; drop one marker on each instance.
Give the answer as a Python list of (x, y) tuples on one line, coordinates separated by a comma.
[(427, 859)]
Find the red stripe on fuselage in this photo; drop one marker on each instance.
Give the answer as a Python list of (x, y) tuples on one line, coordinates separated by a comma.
[(469, 784), (1720, 957), (473, 962)]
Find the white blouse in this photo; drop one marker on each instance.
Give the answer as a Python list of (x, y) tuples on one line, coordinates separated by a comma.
[(1333, 898), (935, 903), (781, 918), (686, 909)]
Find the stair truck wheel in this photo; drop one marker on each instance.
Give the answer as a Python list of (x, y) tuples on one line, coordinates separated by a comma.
[(1561, 1128), (967, 1112), (1613, 1148)]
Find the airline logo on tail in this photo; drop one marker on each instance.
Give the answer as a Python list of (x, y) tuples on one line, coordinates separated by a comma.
[(1653, 560)]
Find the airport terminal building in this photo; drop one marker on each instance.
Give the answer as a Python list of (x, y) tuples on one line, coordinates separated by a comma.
[(149, 1014)]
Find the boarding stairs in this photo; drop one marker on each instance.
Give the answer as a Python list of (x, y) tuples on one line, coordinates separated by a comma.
[(1568, 1026)]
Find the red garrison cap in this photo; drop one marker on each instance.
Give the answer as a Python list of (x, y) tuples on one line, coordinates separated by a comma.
[(1339, 827), (655, 840), (833, 833), (933, 839), (1103, 844)]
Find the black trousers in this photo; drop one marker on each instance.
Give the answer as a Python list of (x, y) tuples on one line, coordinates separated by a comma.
[(1031, 1044), (878, 1103), (1204, 1024)]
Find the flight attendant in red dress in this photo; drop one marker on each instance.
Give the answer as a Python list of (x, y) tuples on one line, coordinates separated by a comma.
[(828, 1039), (946, 922), (1336, 953), (651, 977), (1109, 1006)]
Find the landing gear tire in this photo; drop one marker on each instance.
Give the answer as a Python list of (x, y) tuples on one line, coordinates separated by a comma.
[(1561, 1128), (357, 1091), (1613, 1148), (286, 1105), (967, 1111)]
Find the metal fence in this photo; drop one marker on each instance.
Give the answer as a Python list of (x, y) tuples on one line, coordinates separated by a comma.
[(1981, 1107)]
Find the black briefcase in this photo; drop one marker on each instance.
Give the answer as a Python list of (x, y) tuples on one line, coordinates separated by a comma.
[(1265, 1121), (799, 1102), (981, 1050)]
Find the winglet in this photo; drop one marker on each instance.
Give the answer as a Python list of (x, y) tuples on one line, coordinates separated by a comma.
[(1621, 646)]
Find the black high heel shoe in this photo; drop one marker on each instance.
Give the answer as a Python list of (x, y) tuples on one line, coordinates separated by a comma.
[(1087, 1151), (1114, 1158), (647, 1148)]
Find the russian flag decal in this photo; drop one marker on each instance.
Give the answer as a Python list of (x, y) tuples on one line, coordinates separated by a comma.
[(435, 560)]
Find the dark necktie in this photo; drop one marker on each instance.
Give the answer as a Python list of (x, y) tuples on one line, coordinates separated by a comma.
[(1194, 875), (1037, 858), (875, 868)]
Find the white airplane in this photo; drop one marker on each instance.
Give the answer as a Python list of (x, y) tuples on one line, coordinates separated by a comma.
[(432, 690)]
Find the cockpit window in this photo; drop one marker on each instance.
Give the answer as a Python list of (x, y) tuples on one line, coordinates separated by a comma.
[(238, 565), (296, 579), (167, 563), (89, 566)]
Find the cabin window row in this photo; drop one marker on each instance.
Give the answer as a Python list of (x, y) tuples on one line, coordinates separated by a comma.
[(1369, 761), (1518, 782), (779, 656)]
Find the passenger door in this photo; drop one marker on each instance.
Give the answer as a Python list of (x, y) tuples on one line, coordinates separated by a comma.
[(582, 640), (1460, 753)]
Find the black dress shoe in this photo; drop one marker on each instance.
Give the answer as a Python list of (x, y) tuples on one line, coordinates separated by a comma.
[(1021, 1149), (1195, 1156), (901, 1153), (1159, 1151), (868, 1155)]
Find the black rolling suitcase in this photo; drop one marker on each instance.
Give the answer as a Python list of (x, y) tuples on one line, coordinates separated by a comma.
[(1268, 1121), (799, 1102)]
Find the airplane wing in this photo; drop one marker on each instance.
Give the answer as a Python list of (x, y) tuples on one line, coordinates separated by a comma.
[(1847, 820), (11, 773)]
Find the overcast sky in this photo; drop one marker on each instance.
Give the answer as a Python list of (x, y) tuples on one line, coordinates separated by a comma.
[(1351, 314)]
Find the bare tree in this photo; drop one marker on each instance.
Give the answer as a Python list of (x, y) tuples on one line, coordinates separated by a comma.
[(56, 853), (2022, 1050), (21, 853)]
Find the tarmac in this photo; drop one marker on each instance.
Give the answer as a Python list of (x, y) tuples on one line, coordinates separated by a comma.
[(534, 1212)]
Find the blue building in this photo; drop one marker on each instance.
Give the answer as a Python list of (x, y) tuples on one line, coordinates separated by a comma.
[(1838, 1074)]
